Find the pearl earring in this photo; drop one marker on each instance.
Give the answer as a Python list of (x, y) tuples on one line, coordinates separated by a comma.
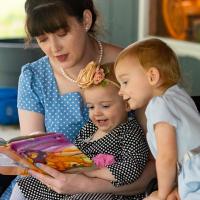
[(86, 28)]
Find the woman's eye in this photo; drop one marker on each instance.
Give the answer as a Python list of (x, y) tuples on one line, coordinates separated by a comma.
[(41, 39), (61, 33)]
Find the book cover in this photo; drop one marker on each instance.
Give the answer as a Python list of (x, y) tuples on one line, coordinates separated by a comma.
[(52, 149)]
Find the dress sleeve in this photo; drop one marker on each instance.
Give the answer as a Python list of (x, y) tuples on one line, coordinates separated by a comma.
[(134, 156), (29, 91), (159, 110), (83, 135)]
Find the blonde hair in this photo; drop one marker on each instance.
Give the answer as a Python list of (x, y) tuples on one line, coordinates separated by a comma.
[(155, 53)]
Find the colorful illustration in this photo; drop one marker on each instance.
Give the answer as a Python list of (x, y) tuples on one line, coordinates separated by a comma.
[(52, 149)]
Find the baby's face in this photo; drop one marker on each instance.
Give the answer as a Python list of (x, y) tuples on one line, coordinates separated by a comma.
[(106, 108), (134, 84)]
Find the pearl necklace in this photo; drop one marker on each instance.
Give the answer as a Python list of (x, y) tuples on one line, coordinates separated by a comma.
[(98, 61)]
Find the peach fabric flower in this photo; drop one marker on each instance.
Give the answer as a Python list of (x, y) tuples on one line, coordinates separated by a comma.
[(103, 160), (99, 75), (86, 75)]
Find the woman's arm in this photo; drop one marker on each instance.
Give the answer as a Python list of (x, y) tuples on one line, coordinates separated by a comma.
[(78, 183), (30, 122), (102, 173), (141, 184), (138, 186)]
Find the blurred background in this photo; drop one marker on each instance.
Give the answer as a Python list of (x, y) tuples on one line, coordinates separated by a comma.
[(177, 20), (124, 21)]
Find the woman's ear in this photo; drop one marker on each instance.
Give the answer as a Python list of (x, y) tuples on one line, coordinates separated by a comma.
[(87, 19), (153, 75)]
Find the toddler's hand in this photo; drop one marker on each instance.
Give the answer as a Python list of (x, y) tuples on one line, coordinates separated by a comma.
[(154, 196)]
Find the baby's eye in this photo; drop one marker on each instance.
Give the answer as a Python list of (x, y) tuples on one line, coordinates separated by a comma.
[(90, 107)]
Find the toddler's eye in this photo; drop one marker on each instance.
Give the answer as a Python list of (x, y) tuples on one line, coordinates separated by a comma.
[(105, 106), (124, 82)]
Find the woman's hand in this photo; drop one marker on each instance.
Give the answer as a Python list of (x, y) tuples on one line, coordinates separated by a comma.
[(73, 183), (63, 183)]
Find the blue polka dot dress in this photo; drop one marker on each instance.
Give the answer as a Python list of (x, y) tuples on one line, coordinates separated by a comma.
[(38, 92)]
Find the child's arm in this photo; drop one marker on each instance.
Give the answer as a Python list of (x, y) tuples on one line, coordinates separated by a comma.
[(102, 173), (166, 159)]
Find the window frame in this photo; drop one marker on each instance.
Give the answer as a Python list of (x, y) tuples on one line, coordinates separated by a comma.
[(182, 48)]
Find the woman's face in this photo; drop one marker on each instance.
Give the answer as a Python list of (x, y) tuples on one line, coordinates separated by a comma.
[(64, 49)]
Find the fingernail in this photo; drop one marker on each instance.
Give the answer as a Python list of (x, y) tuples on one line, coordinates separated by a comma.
[(30, 172), (38, 165)]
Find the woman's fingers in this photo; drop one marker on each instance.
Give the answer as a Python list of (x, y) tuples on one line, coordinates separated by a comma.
[(49, 179), (48, 170), (65, 183)]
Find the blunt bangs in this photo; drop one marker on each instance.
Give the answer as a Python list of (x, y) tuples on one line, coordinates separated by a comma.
[(46, 20)]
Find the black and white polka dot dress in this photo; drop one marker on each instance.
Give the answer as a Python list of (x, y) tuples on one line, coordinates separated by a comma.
[(126, 143)]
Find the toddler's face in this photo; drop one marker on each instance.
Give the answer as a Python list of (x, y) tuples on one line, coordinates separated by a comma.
[(135, 87), (106, 108)]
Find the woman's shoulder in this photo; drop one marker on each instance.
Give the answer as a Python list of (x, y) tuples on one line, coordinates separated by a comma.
[(36, 70), (38, 65), (111, 51)]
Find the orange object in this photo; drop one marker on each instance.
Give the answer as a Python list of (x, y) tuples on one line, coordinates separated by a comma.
[(176, 16)]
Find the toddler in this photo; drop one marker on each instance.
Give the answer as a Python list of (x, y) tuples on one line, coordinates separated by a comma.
[(149, 74)]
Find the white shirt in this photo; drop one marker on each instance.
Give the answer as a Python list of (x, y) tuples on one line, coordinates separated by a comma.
[(177, 108)]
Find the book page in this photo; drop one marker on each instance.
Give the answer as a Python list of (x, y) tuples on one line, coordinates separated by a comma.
[(52, 149), (6, 161)]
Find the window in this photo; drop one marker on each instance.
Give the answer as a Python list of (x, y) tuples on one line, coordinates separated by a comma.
[(12, 19), (175, 21)]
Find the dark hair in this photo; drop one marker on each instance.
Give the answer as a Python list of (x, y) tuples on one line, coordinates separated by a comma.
[(50, 15)]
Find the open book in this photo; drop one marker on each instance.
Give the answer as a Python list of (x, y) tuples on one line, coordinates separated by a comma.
[(52, 149)]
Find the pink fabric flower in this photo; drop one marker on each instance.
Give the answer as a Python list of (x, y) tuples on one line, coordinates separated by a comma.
[(103, 160), (98, 76)]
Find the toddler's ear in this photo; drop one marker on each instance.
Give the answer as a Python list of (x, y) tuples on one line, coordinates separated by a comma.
[(153, 76)]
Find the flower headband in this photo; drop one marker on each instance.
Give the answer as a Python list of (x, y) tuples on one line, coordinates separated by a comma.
[(93, 74)]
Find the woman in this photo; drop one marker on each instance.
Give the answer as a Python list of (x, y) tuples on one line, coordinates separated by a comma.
[(49, 98)]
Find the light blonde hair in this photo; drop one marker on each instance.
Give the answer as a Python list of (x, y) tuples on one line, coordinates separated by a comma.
[(155, 53)]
